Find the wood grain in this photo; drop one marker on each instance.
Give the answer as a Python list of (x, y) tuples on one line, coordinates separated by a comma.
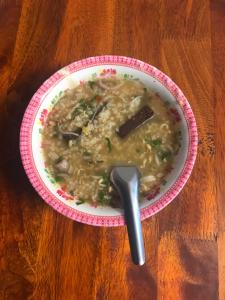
[(218, 51), (46, 256)]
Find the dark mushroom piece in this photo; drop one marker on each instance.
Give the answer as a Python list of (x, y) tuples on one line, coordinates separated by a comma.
[(142, 116), (70, 135)]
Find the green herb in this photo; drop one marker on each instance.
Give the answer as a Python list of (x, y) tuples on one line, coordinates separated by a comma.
[(165, 154), (59, 178), (103, 197), (156, 143), (105, 179), (91, 84), (127, 76), (109, 144), (81, 201), (82, 106), (60, 158), (164, 182), (77, 110)]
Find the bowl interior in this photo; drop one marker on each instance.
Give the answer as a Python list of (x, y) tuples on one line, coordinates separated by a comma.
[(70, 80)]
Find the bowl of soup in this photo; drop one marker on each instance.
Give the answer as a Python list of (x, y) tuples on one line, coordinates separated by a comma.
[(100, 112)]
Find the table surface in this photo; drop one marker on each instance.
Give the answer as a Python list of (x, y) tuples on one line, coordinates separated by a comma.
[(45, 255)]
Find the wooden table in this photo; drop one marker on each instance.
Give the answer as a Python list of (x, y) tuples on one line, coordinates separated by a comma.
[(47, 256)]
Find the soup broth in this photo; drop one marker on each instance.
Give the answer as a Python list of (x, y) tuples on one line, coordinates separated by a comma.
[(82, 142)]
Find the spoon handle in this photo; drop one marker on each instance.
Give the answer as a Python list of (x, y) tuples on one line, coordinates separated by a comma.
[(126, 181)]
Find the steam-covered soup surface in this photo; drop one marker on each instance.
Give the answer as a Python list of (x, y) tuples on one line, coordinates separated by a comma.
[(82, 141)]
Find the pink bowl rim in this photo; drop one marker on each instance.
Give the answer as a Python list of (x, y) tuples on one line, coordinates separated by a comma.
[(28, 122)]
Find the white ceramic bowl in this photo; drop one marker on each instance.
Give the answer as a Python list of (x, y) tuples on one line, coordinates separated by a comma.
[(70, 76)]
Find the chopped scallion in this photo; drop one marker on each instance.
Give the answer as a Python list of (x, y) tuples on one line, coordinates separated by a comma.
[(59, 178), (109, 144), (81, 201), (91, 84), (165, 154)]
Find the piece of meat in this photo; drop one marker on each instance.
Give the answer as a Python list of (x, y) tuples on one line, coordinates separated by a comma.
[(70, 135), (62, 166), (142, 116)]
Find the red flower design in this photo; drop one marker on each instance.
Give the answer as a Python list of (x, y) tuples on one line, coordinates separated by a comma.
[(175, 114), (155, 191), (64, 195), (108, 72), (94, 204), (43, 116)]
